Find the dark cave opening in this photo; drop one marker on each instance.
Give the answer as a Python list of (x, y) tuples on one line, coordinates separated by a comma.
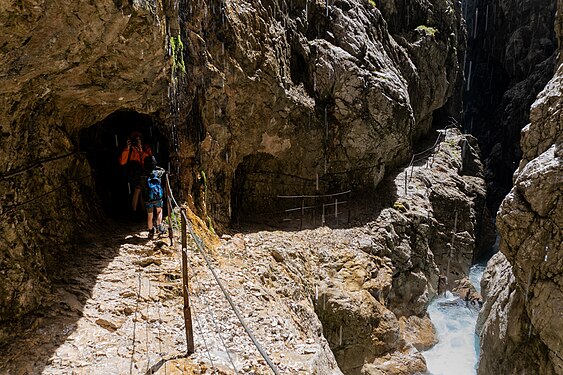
[(254, 182), (259, 181), (103, 143), (265, 194)]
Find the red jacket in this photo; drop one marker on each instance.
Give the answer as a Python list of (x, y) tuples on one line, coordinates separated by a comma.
[(136, 155)]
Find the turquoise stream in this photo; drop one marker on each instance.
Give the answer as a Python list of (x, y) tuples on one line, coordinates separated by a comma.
[(457, 351)]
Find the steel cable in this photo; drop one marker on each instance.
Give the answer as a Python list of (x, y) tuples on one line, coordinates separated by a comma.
[(210, 312), (197, 241), (135, 321)]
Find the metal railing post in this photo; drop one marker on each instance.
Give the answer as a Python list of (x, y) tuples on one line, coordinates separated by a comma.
[(336, 210), (302, 213), (448, 285), (349, 199)]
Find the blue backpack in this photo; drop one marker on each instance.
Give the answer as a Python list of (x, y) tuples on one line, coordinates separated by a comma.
[(154, 186)]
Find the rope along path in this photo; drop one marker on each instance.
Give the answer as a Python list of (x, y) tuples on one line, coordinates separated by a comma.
[(201, 248)]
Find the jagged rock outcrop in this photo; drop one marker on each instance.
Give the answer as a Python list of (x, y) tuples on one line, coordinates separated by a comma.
[(335, 91), (508, 342), (510, 58), (522, 317), (255, 99), (364, 290)]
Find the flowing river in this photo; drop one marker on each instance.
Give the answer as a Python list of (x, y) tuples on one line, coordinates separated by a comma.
[(457, 351)]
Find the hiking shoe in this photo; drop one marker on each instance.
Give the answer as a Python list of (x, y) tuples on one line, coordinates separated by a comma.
[(151, 233), (161, 229)]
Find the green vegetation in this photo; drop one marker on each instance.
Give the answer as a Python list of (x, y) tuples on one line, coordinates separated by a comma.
[(175, 218), (204, 180), (210, 225), (372, 2), (399, 206), (428, 30), (177, 48)]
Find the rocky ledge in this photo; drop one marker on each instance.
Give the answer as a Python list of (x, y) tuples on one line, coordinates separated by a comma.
[(353, 300)]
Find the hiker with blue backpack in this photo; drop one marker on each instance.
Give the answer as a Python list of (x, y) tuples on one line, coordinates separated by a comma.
[(152, 195)]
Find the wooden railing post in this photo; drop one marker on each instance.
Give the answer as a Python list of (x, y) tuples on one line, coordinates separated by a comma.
[(187, 311), (168, 189)]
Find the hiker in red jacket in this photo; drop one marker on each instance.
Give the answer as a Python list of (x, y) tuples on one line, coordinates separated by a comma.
[(133, 156)]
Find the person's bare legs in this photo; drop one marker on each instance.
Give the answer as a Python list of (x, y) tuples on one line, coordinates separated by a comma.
[(149, 220), (136, 198), (158, 216)]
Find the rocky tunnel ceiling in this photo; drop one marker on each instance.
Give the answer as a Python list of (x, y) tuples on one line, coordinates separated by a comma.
[(65, 67)]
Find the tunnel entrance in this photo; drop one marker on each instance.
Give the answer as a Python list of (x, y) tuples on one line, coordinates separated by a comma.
[(254, 186), (264, 195), (103, 143)]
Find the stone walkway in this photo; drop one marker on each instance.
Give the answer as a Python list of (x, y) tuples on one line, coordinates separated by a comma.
[(117, 309)]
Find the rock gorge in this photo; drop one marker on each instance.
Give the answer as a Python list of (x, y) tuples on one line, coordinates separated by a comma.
[(247, 100), (521, 320), (261, 97), (511, 56)]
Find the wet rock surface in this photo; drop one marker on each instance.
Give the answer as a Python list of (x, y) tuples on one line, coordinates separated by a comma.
[(526, 301), (327, 95), (321, 301), (511, 56)]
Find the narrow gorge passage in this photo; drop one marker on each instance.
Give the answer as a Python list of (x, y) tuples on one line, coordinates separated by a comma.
[(117, 306), (346, 162)]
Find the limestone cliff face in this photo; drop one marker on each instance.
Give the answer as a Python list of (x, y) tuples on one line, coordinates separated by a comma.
[(329, 91), (522, 316), (510, 58), (260, 98), (64, 66)]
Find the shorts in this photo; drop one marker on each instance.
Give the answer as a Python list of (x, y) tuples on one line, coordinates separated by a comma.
[(134, 175), (156, 204)]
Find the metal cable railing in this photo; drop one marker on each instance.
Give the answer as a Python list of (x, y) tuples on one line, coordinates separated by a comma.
[(416, 157), (226, 294)]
